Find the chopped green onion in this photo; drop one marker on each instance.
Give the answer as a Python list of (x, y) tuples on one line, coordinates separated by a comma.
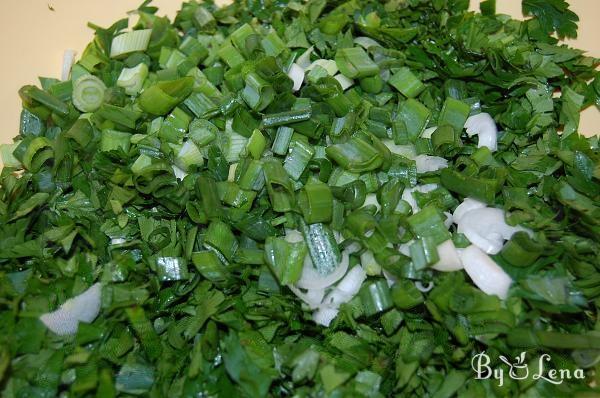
[(454, 113), (33, 153), (174, 126), (316, 202), (521, 250), (285, 259), (202, 132), (200, 104), (204, 19), (444, 139), (251, 175), (230, 55), (279, 186), (407, 83), (272, 44), (250, 256), (372, 84), (171, 269), (132, 79), (423, 252), (6, 154), (220, 239), (233, 145), (256, 144), (235, 196), (240, 36), (244, 123), (354, 62), (316, 73), (126, 117), (206, 189), (31, 94), (322, 247), (428, 223), (62, 90), (282, 140), (405, 295), (209, 266), (484, 189), (129, 42), (413, 117), (30, 124), (189, 155), (113, 140), (144, 331), (81, 132), (352, 194), (140, 164), (288, 117), (356, 155), (298, 158), (376, 297), (161, 97), (257, 93)]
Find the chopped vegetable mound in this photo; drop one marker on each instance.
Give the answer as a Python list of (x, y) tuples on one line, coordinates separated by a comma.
[(305, 199)]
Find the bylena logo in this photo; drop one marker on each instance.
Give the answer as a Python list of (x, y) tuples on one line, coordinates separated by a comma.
[(519, 369)]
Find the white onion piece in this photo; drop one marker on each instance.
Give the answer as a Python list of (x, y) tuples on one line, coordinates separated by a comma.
[(344, 81), (296, 73), (408, 151), (466, 206), (293, 236), (484, 126), (328, 64), (324, 316), (68, 61), (312, 298), (311, 279), (407, 194), (117, 241), (428, 132), (449, 258), (82, 308), (487, 229), (352, 281), (343, 293), (485, 273), (405, 248), (426, 163), (347, 288), (422, 288), (303, 61), (179, 174), (315, 296), (366, 42)]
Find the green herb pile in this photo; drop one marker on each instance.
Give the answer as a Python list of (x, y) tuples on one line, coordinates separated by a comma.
[(171, 163)]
